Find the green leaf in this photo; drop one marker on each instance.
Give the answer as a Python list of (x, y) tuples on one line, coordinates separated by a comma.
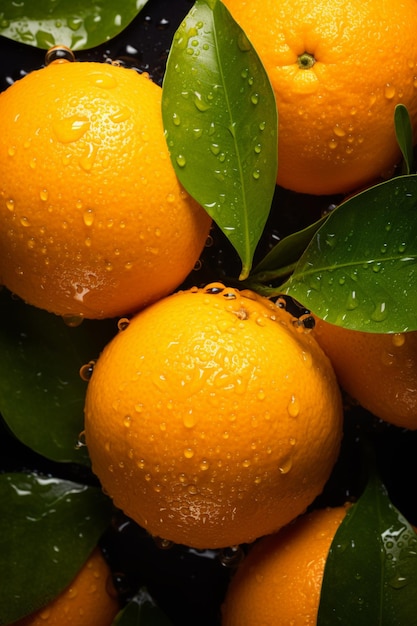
[(283, 257), (73, 23), (360, 269), (370, 575), (48, 527), (142, 611), (404, 134), (41, 392), (220, 120)]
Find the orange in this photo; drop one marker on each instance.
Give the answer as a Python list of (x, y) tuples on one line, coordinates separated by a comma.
[(279, 582), (378, 370), (89, 600), (94, 221), (338, 69), (213, 418)]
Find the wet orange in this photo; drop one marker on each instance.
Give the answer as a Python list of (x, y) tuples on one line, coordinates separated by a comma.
[(90, 600), (213, 418), (93, 220), (378, 370), (279, 582), (336, 85)]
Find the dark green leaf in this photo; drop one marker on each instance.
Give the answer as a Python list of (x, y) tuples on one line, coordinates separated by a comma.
[(404, 134), (73, 23), (370, 575), (360, 270), (221, 124), (48, 527), (41, 392), (280, 261), (142, 611)]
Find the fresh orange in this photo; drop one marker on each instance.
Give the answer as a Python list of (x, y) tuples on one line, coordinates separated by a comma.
[(90, 600), (279, 582), (338, 69), (94, 221), (213, 418), (378, 370)]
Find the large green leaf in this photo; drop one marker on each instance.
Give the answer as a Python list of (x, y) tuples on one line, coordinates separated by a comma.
[(142, 611), (73, 23), (360, 269), (41, 392), (48, 527), (370, 575), (220, 118)]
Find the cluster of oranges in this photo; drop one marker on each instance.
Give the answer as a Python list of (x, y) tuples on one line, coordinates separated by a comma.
[(214, 417)]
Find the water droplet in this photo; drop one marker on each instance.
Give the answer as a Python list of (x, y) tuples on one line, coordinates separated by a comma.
[(181, 160), (24, 221), (81, 440), (188, 453), (352, 301), (176, 120), (401, 248), (10, 204), (332, 144), (285, 466), (200, 103), (71, 128), (103, 80), (72, 320), (86, 371), (379, 314), (398, 582), (293, 407), (123, 323), (189, 421), (256, 174), (88, 156), (262, 126), (11, 151), (88, 217), (43, 195), (254, 98), (339, 131), (122, 115), (59, 54), (389, 91), (215, 148), (163, 544), (232, 556), (127, 421)]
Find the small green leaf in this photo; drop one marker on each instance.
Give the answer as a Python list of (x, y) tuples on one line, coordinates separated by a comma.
[(220, 119), (370, 575), (404, 134), (41, 392), (142, 611), (73, 23), (283, 257), (360, 269), (48, 527)]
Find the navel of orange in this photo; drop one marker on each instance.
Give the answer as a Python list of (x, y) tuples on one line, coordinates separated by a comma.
[(338, 69)]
